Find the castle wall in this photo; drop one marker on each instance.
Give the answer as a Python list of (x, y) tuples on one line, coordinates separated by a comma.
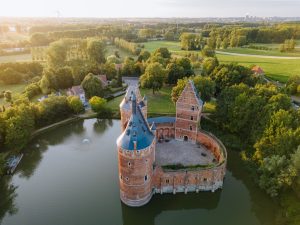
[(194, 179)]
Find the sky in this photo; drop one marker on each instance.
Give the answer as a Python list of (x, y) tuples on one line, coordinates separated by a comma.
[(149, 8)]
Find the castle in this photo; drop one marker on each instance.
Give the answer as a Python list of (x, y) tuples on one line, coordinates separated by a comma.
[(166, 154)]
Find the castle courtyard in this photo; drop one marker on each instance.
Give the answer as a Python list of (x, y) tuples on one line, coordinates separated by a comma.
[(176, 152)]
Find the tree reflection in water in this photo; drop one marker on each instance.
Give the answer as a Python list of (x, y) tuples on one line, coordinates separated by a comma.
[(7, 197)]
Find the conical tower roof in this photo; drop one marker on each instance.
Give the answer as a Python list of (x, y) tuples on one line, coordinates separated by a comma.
[(137, 135)]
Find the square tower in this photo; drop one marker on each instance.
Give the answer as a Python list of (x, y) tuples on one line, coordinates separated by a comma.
[(188, 114)]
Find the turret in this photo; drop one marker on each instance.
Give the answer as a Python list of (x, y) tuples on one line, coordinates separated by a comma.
[(136, 149)]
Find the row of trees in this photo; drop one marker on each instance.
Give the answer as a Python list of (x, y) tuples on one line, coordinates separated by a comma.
[(288, 45), (127, 46)]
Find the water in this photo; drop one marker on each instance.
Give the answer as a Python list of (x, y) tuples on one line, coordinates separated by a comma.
[(64, 180)]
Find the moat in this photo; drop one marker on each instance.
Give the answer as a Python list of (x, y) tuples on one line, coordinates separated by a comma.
[(63, 180)]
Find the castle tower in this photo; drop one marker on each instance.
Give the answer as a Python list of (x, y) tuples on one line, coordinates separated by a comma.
[(125, 106), (136, 155), (188, 114)]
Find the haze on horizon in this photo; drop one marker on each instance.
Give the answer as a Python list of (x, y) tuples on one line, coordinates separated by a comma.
[(149, 8)]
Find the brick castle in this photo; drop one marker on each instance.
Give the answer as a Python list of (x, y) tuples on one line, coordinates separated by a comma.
[(166, 154)]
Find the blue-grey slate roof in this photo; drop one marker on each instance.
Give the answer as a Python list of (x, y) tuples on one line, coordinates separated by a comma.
[(137, 130), (162, 119)]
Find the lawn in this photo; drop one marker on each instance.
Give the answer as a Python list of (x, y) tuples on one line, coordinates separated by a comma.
[(14, 88), (151, 46), (273, 52), (15, 58), (276, 69), (159, 103)]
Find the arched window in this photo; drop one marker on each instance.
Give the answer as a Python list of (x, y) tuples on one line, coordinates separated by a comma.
[(146, 177), (191, 127)]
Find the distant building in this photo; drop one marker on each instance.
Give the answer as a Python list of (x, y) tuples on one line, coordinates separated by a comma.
[(257, 70), (78, 91), (103, 80)]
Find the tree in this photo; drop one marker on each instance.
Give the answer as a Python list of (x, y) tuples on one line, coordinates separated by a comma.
[(8, 96), (226, 75), (292, 84), (163, 52), (185, 63), (39, 39), (143, 56), (281, 135), (52, 109), (276, 173), (92, 86), (75, 104), (209, 64), (174, 72), (10, 76), (190, 41), (57, 54), (153, 77), (208, 52), (97, 104), (19, 124), (109, 70), (96, 50), (204, 86)]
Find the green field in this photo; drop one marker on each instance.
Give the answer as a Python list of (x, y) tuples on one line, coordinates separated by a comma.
[(15, 58), (15, 89), (151, 46), (273, 52), (277, 69)]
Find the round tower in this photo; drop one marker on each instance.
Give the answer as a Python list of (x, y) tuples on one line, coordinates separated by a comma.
[(136, 149)]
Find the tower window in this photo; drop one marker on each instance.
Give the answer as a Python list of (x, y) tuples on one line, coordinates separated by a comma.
[(191, 127), (146, 178), (192, 118), (129, 164), (127, 179), (193, 108), (121, 177)]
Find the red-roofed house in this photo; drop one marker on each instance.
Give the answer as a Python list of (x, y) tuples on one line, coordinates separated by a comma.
[(257, 70), (103, 79)]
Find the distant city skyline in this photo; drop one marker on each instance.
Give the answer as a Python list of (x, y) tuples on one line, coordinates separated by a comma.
[(150, 8)]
